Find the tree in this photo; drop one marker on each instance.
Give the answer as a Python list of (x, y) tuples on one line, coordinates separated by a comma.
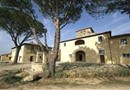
[(26, 8), (61, 13), (13, 22), (101, 7)]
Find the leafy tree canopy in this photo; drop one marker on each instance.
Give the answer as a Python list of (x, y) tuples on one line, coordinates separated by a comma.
[(102, 7), (16, 18), (14, 21), (19, 13), (67, 11)]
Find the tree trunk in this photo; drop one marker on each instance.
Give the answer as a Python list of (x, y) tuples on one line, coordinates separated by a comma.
[(43, 48), (37, 39), (52, 60), (51, 66), (16, 54), (45, 38)]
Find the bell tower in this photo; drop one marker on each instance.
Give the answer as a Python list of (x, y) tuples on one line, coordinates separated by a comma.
[(84, 32)]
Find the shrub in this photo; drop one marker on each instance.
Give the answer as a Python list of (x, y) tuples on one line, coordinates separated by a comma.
[(86, 70), (10, 78)]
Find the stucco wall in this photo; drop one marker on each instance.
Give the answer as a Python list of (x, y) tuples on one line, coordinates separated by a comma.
[(20, 57), (91, 49), (13, 54)]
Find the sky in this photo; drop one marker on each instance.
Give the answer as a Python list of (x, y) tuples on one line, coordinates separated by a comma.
[(117, 23)]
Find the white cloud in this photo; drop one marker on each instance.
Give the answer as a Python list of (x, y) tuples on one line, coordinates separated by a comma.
[(123, 28), (116, 18)]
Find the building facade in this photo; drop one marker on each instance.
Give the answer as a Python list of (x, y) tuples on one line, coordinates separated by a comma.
[(29, 52), (5, 57), (92, 47)]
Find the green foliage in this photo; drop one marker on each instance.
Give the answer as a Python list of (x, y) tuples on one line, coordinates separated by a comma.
[(15, 22), (122, 6), (11, 79), (67, 11), (101, 7), (20, 5), (16, 17)]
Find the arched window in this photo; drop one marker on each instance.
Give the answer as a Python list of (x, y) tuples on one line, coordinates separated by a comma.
[(79, 42)]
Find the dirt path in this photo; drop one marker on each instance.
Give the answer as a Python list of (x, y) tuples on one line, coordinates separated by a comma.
[(8, 66), (73, 88)]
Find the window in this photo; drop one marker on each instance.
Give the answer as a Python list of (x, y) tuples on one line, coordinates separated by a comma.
[(40, 57), (79, 42), (126, 55), (9, 58), (40, 49), (101, 52), (100, 38), (123, 41), (64, 44)]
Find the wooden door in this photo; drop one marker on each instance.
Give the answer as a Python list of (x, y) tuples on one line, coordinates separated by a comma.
[(102, 58)]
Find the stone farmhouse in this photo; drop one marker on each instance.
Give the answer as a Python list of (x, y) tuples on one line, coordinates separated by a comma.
[(5, 57), (91, 47), (88, 46), (29, 52)]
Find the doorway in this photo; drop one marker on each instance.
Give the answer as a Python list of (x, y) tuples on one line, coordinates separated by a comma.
[(102, 58), (80, 56), (31, 58)]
